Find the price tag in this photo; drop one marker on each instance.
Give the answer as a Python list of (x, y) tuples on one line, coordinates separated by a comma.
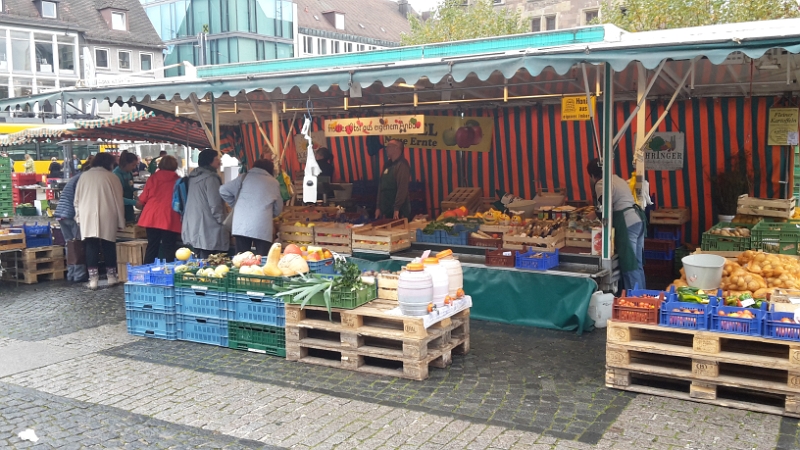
[(506, 253), (255, 294), (425, 254), (793, 138), (748, 302), (200, 288), (794, 300), (797, 316)]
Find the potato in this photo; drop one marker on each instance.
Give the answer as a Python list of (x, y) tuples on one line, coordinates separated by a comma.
[(761, 293), (753, 286)]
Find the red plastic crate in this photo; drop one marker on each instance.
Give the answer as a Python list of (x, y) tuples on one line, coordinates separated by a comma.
[(495, 258), (625, 313), (24, 195), (23, 179)]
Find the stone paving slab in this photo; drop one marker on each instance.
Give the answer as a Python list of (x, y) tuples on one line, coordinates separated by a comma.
[(21, 356)]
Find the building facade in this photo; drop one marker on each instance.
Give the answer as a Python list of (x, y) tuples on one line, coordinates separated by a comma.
[(546, 15), (206, 32), (329, 27)]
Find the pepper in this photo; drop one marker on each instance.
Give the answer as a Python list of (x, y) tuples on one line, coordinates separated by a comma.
[(689, 298)]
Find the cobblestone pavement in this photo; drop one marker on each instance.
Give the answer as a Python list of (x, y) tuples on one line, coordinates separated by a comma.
[(518, 388)]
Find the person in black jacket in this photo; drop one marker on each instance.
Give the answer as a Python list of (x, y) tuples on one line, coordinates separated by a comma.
[(55, 169)]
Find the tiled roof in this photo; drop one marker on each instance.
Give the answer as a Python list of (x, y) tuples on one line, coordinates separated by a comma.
[(84, 15), (381, 19)]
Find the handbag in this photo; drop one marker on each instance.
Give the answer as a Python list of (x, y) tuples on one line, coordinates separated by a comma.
[(228, 222), (76, 253)]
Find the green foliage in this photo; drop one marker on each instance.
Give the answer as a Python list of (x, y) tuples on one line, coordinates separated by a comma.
[(644, 15), (452, 21)]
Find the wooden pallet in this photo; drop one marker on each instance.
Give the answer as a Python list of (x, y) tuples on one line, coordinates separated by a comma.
[(36, 265), (781, 208), (747, 372), (677, 216), (39, 254), (388, 238), (14, 240), (33, 277)]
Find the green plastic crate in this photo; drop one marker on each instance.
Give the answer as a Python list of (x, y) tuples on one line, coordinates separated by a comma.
[(190, 279), (27, 211), (713, 242), (777, 237), (339, 299), (680, 253), (238, 282), (256, 337)]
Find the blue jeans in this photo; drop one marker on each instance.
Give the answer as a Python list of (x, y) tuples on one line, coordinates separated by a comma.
[(71, 230), (636, 237)]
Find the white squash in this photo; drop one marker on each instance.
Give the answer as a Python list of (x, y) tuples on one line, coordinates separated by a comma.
[(292, 264)]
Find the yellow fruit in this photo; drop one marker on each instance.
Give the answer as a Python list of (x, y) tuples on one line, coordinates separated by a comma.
[(271, 268), (299, 224), (183, 254)]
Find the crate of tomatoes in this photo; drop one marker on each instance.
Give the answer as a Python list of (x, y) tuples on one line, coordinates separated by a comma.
[(643, 309)]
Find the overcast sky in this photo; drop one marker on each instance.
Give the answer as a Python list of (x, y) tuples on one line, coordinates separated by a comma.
[(423, 5)]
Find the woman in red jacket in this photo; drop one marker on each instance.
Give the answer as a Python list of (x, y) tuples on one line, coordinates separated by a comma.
[(163, 225)]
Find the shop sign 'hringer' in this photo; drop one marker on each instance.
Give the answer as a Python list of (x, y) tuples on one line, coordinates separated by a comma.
[(665, 151)]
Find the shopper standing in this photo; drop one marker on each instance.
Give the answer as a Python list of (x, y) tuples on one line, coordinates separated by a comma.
[(65, 214), (55, 169), (203, 218), (393, 200), (629, 222), (100, 212), (163, 225), (127, 162), (258, 196), (153, 166), (30, 167)]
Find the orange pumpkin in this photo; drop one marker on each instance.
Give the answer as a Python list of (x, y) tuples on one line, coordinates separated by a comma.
[(460, 293)]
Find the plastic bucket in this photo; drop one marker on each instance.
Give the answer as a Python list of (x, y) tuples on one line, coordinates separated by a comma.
[(600, 308), (703, 271)]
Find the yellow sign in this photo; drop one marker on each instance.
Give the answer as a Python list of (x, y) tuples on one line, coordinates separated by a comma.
[(375, 126), (782, 128), (576, 108), (472, 134)]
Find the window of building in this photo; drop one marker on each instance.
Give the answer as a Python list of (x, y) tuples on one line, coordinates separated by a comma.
[(339, 21), (372, 47), (589, 15), (4, 87), (550, 23), (2, 7), (49, 10), (336, 47), (348, 47), (101, 58), (23, 86), (308, 45), (536, 24), (44, 52), (322, 46), (3, 56), (124, 60), (119, 21), (361, 47), (66, 54), (21, 51), (145, 61)]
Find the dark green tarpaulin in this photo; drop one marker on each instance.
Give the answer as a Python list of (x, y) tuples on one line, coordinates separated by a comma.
[(520, 298)]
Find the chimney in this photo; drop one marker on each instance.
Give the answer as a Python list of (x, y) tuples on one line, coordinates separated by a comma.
[(404, 8)]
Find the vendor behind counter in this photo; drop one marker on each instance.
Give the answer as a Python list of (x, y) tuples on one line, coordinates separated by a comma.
[(393, 199)]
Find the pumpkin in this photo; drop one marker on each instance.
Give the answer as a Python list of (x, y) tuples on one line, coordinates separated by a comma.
[(292, 264), (271, 268), (292, 249)]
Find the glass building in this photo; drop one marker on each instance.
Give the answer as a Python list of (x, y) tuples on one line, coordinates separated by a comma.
[(237, 30)]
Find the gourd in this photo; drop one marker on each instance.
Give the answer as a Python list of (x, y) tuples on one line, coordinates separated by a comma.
[(292, 264), (271, 268)]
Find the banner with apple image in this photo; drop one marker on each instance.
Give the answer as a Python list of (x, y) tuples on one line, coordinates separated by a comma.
[(473, 134)]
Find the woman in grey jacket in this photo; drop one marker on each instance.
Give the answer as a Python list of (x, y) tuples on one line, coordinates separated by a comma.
[(257, 197), (205, 211)]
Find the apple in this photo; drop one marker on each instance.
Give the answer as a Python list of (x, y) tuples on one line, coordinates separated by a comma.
[(339, 128), (449, 137), (478, 132), (465, 136)]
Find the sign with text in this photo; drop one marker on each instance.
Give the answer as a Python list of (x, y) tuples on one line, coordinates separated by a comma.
[(782, 128), (301, 144), (665, 151), (576, 108), (472, 134), (375, 126)]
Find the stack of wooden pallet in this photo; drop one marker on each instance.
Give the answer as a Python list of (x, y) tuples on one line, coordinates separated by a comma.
[(368, 339), (470, 198), (730, 370), (33, 265)]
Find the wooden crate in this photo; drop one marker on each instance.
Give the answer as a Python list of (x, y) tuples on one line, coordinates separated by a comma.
[(415, 225), (669, 216), (499, 229), (388, 238), (639, 357), (548, 244), (129, 252), (357, 338), (579, 239), (782, 208), (13, 239), (487, 203), (463, 196), (335, 237), (35, 276), (132, 232), (290, 234), (388, 285)]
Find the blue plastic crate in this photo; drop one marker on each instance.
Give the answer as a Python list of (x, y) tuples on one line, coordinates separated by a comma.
[(203, 330), (776, 329), (636, 292), (426, 238), (736, 325), (199, 302), (36, 230), (147, 323), (546, 262), (38, 242), (257, 308), (682, 318), (160, 273), (668, 233), (443, 237), (325, 266), (659, 255), (156, 298)]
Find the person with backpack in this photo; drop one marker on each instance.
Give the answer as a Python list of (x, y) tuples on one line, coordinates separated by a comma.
[(204, 211), (163, 225)]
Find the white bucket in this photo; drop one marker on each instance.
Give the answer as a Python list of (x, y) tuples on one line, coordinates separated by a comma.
[(600, 308), (703, 271)]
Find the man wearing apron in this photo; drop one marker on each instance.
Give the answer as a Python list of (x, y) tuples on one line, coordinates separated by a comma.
[(393, 201)]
